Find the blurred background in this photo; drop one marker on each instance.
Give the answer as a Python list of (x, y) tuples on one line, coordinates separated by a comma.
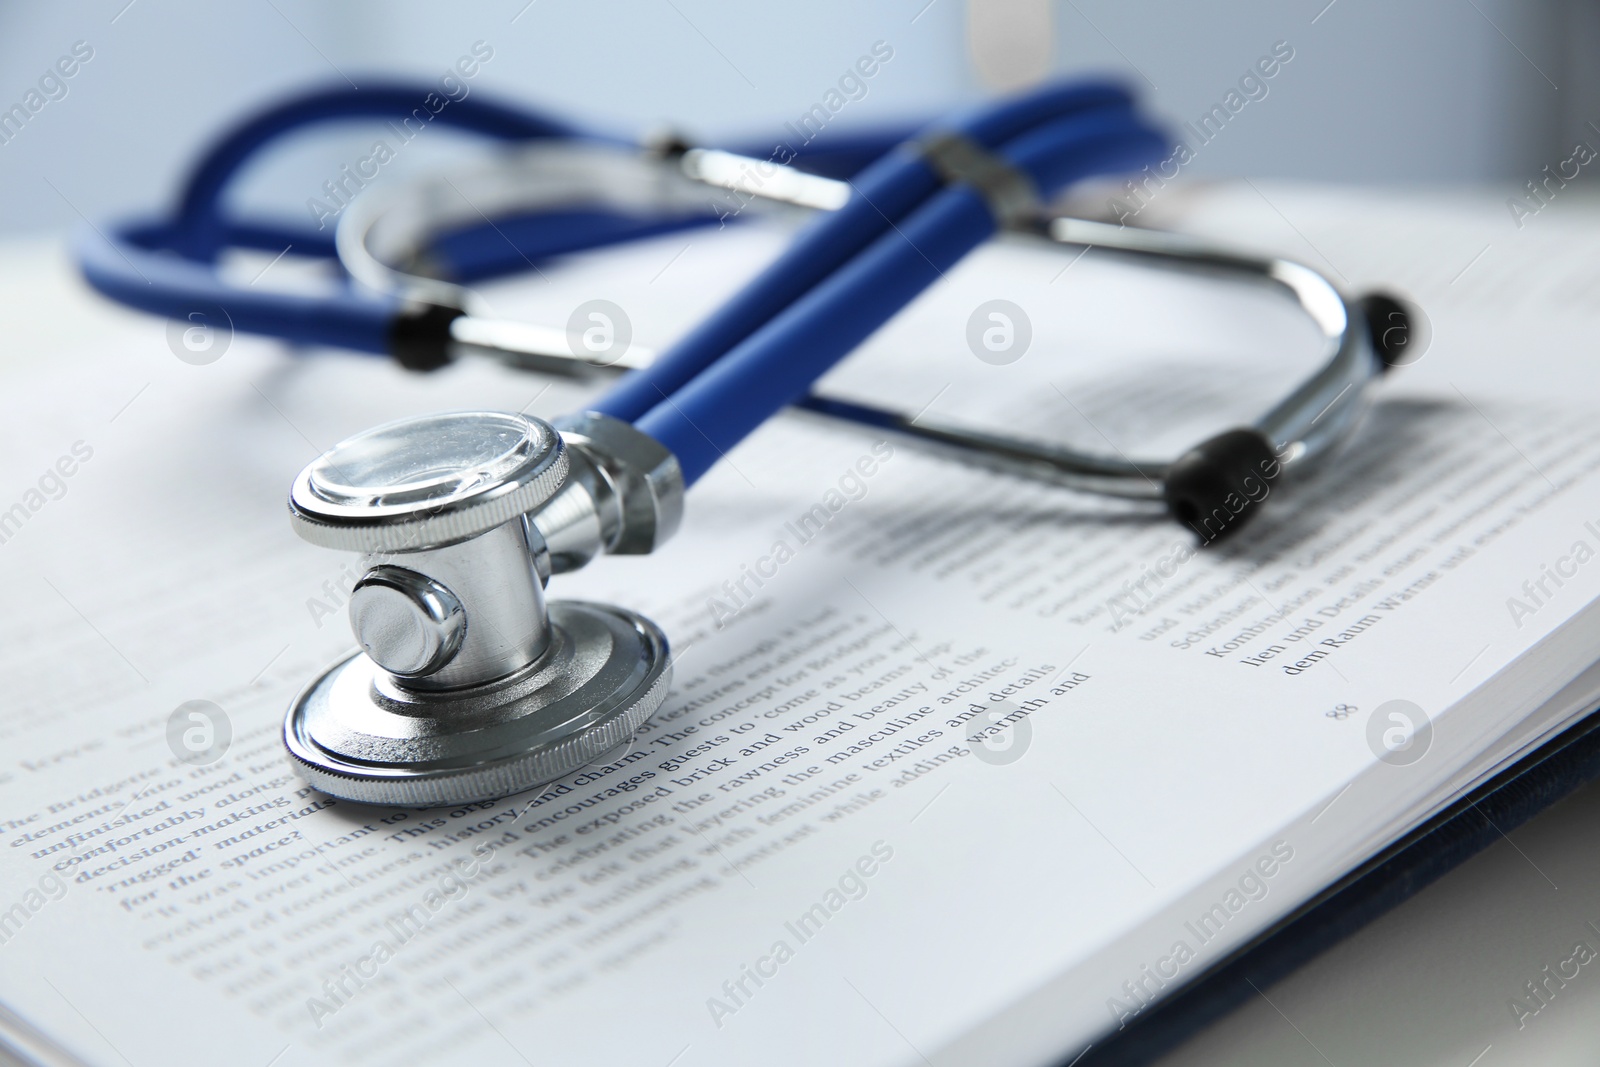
[(1429, 91)]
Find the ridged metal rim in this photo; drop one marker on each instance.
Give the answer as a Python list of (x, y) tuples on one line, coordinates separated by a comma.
[(430, 526), (496, 778)]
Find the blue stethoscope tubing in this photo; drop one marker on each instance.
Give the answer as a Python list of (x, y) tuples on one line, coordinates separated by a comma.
[(902, 229), (847, 273), (167, 266)]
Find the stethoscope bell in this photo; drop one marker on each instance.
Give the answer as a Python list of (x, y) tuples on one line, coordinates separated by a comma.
[(468, 684)]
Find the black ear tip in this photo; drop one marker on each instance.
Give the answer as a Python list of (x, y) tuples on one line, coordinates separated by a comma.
[(1219, 485), (1400, 332), (419, 337)]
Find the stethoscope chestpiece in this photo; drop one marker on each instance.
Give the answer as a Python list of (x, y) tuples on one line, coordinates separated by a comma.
[(468, 684)]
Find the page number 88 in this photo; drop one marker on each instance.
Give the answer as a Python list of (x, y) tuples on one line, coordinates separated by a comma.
[(1341, 711)]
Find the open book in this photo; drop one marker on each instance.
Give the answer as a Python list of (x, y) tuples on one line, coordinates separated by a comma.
[(955, 769)]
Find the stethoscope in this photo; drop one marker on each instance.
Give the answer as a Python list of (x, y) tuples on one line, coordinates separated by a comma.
[(469, 684)]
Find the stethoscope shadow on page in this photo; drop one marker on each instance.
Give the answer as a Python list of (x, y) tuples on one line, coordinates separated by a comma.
[(1394, 433)]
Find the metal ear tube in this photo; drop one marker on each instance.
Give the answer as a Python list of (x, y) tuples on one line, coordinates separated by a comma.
[(469, 684)]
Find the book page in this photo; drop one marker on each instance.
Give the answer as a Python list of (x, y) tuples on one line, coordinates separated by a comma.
[(935, 740)]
